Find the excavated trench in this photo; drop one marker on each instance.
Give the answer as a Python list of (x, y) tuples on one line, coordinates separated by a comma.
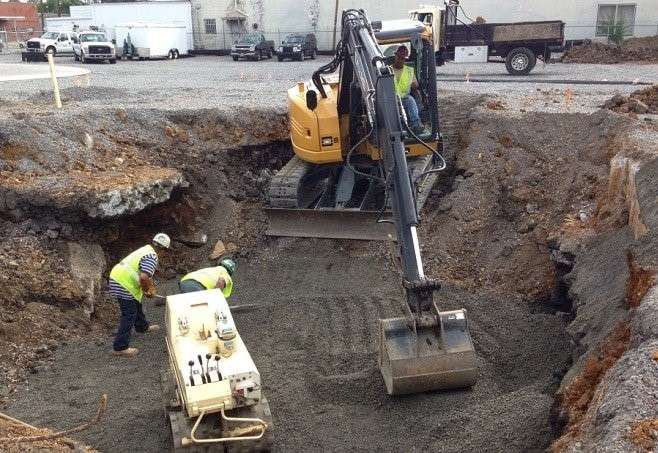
[(491, 232)]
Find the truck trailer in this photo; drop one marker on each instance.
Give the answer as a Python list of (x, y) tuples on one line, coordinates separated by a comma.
[(150, 40)]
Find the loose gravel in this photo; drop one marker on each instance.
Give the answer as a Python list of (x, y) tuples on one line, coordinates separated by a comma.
[(219, 82), (314, 341)]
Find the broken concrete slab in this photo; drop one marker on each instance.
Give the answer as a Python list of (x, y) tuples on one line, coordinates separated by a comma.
[(94, 194)]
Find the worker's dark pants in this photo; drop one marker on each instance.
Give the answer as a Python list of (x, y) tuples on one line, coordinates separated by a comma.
[(190, 286), (132, 315)]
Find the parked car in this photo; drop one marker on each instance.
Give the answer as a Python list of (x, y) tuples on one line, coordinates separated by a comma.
[(93, 45), (54, 42), (253, 46), (296, 47)]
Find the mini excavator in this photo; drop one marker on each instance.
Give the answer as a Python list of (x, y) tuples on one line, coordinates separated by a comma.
[(360, 172)]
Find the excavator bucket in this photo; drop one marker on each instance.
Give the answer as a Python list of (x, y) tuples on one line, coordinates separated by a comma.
[(431, 358)]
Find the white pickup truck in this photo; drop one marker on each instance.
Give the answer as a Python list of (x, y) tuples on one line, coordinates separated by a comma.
[(54, 42), (93, 45)]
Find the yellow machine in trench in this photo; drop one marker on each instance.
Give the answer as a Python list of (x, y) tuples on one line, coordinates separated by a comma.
[(212, 391)]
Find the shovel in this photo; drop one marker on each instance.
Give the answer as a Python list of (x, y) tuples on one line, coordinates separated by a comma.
[(160, 301), (195, 242)]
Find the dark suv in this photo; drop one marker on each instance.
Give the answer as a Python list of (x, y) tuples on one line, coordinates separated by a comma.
[(296, 47)]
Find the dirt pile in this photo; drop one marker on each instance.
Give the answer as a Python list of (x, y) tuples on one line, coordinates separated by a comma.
[(632, 50), (516, 181), (641, 102)]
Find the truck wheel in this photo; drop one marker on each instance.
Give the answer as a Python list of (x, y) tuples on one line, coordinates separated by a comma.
[(520, 61), (235, 58)]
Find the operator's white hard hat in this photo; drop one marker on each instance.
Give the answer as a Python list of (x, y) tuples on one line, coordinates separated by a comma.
[(162, 240)]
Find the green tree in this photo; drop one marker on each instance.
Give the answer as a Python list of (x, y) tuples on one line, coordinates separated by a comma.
[(59, 7)]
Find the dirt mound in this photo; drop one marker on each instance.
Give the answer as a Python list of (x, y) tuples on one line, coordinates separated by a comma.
[(640, 102), (517, 180), (632, 50)]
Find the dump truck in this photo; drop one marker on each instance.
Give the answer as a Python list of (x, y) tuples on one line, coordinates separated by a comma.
[(358, 166), (518, 44), (212, 391)]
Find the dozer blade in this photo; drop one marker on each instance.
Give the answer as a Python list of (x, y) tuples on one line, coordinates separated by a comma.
[(434, 358), (328, 223)]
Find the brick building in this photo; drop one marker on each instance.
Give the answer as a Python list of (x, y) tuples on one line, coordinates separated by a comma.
[(18, 21)]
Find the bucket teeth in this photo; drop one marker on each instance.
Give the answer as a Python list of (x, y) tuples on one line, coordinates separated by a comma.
[(433, 358)]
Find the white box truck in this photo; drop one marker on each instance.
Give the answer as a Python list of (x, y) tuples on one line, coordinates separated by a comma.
[(145, 40)]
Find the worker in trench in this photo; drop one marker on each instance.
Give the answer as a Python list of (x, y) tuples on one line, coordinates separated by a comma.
[(210, 278), (405, 81), (129, 281)]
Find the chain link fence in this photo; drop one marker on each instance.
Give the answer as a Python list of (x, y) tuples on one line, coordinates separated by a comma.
[(221, 39)]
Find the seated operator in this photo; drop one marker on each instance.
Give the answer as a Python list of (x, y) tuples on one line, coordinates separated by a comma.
[(405, 80)]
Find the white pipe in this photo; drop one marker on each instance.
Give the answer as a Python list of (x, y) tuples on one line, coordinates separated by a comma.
[(194, 440), (53, 77)]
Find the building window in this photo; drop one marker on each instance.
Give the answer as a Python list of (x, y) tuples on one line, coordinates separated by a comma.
[(610, 15), (210, 26)]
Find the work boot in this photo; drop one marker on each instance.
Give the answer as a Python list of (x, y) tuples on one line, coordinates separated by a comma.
[(418, 128), (128, 352), (150, 329)]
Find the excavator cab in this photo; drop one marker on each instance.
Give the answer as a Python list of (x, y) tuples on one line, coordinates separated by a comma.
[(333, 186)]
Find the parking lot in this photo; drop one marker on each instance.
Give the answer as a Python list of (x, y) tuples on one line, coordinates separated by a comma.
[(217, 81)]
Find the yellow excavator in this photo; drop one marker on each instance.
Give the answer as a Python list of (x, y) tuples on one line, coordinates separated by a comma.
[(361, 171)]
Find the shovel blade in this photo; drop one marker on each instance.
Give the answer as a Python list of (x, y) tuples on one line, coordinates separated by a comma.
[(433, 358)]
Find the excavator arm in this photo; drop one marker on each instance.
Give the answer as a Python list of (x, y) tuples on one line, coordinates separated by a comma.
[(427, 349), (364, 67)]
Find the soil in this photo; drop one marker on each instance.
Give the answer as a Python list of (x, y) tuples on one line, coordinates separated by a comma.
[(314, 340), (632, 50), (488, 233), (640, 102)]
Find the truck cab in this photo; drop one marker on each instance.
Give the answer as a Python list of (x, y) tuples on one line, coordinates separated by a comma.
[(519, 44), (93, 45), (53, 42)]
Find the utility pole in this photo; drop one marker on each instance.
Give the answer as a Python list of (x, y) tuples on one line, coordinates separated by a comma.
[(335, 25)]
